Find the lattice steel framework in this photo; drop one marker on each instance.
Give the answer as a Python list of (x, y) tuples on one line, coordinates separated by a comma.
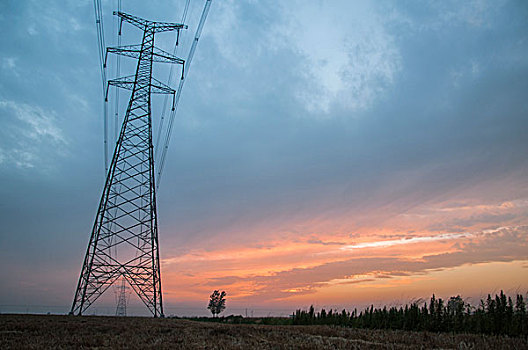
[(121, 299), (124, 239)]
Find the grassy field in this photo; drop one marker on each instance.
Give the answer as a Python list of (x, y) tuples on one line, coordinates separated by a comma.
[(96, 332)]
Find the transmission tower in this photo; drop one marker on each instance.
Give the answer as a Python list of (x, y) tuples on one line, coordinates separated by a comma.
[(121, 299), (124, 239)]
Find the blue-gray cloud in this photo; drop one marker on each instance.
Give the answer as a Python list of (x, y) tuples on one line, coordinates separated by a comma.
[(288, 111)]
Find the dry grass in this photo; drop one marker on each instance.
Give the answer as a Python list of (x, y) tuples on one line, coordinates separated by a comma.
[(93, 332)]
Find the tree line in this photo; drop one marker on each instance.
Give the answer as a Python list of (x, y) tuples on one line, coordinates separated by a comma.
[(494, 315)]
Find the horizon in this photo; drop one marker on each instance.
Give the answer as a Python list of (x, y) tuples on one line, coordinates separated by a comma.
[(355, 153), (135, 308)]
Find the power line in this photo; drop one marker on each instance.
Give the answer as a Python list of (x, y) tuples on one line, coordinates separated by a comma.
[(169, 81), (118, 73), (178, 93), (101, 44)]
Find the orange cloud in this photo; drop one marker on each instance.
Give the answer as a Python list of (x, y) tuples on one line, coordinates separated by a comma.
[(289, 271)]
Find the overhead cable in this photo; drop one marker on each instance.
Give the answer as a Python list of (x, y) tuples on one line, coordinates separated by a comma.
[(101, 43), (180, 86), (164, 109)]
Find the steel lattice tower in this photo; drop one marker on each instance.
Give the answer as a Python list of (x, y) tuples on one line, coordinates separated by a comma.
[(124, 239), (121, 299)]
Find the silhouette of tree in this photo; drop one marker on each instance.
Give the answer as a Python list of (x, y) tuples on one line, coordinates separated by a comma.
[(497, 315), (217, 302)]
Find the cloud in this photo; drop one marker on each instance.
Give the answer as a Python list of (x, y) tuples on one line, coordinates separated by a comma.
[(421, 239), (348, 57), (504, 244), (304, 127), (253, 279), (474, 13), (441, 15), (9, 63), (340, 55), (30, 135), (318, 241)]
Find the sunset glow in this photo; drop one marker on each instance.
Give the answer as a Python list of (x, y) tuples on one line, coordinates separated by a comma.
[(343, 268), (339, 154)]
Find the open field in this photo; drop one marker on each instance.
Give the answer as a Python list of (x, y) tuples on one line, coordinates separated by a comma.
[(96, 332)]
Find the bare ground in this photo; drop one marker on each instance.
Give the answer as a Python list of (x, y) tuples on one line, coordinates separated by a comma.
[(96, 332)]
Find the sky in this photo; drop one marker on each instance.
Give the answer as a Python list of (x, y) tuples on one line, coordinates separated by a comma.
[(334, 153)]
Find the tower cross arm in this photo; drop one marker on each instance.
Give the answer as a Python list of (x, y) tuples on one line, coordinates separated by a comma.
[(127, 83), (124, 83), (160, 88), (163, 56), (157, 27), (168, 27), (134, 51)]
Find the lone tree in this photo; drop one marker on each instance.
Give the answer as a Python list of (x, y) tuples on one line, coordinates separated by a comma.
[(217, 302)]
